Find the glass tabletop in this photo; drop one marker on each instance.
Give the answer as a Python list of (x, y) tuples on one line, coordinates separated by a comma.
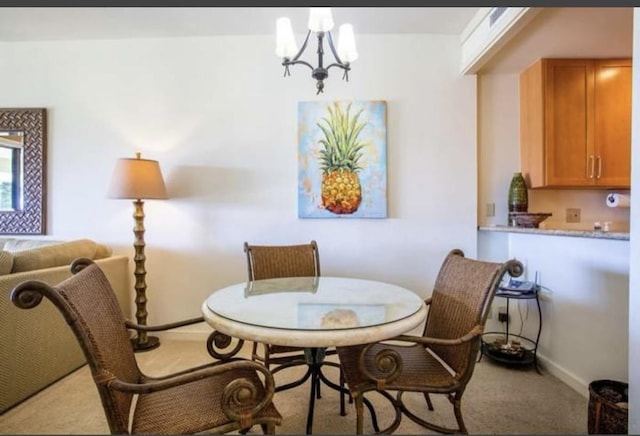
[(314, 303)]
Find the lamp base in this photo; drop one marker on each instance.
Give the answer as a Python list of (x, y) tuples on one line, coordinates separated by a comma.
[(152, 342)]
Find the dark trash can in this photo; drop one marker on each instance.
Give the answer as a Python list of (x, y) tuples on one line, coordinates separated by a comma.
[(608, 407)]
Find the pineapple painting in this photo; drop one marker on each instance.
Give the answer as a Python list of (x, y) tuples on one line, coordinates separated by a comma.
[(339, 159), (342, 159)]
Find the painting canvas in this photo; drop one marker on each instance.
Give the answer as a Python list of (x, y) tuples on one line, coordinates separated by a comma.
[(342, 159)]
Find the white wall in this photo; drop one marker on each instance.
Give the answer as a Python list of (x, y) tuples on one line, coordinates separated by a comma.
[(584, 299), (634, 258), (220, 118), (498, 130)]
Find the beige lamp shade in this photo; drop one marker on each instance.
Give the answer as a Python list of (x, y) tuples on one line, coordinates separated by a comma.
[(137, 178)]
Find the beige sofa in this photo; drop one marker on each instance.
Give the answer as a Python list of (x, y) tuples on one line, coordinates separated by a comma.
[(37, 347)]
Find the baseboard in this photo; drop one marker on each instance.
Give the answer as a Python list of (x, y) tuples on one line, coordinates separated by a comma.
[(567, 377)]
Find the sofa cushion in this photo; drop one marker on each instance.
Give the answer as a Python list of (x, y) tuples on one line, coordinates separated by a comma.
[(6, 262), (3, 241), (27, 244), (53, 255), (102, 251)]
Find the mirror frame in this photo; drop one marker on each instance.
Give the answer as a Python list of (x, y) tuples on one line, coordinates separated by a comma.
[(31, 219)]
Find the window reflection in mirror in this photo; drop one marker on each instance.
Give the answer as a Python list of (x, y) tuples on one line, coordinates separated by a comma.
[(11, 149)]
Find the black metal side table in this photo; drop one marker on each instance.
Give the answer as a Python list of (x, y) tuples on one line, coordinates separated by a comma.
[(510, 348)]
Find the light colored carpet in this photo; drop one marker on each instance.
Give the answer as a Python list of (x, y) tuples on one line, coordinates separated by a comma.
[(498, 400)]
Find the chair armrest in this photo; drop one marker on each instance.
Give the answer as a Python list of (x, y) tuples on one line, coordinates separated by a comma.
[(217, 342), (161, 327), (169, 381), (476, 331), (237, 396), (388, 362)]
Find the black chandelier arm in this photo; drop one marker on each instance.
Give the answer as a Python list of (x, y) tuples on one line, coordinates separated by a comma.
[(288, 62), (304, 46), (346, 66)]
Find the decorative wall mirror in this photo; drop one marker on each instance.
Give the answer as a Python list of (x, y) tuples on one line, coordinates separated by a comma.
[(23, 145)]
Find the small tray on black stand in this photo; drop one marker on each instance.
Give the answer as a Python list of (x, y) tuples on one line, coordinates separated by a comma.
[(507, 347), (513, 352)]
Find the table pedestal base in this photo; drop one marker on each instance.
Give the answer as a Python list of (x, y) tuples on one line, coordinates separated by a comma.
[(315, 361)]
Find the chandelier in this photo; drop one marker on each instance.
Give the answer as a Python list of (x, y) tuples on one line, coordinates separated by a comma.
[(320, 23)]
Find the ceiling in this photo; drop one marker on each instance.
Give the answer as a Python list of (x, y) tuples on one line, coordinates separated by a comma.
[(33, 24), (552, 32)]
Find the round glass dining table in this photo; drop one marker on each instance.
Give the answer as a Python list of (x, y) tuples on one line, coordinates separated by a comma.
[(314, 311)]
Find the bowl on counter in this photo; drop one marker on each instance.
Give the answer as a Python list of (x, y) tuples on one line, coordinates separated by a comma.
[(529, 219)]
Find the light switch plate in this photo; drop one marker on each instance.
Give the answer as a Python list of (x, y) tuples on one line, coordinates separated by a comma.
[(491, 210), (573, 215)]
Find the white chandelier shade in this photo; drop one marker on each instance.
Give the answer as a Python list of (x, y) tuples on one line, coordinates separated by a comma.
[(347, 43), (320, 19), (286, 46)]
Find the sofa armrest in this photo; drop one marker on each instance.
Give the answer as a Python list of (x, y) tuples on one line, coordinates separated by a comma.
[(38, 347), (116, 268)]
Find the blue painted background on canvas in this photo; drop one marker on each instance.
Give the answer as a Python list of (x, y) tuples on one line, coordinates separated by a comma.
[(372, 174)]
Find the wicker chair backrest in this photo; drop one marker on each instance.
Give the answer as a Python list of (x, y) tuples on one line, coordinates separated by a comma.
[(100, 328), (275, 261), (460, 300)]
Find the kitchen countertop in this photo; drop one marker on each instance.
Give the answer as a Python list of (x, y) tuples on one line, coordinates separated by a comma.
[(622, 236)]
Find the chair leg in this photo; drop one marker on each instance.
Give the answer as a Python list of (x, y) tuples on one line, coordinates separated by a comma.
[(269, 428), (454, 398), (267, 356), (343, 412), (428, 399), (456, 401), (359, 415)]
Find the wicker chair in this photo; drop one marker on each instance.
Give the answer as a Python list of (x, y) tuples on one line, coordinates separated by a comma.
[(442, 360), (219, 397), (275, 261)]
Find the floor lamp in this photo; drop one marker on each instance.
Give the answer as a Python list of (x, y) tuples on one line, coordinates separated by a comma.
[(139, 179)]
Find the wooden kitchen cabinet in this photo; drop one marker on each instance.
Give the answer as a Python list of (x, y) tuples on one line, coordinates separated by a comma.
[(575, 123)]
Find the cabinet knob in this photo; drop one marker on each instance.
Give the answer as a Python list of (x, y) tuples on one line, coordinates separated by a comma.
[(591, 167), (599, 167)]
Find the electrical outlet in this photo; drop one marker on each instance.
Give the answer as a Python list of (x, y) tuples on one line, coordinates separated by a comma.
[(503, 315), (491, 210), (573, 215)]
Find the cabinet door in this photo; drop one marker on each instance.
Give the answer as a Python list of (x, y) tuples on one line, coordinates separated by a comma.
[(532, 125), (569, 159), (612, 127)]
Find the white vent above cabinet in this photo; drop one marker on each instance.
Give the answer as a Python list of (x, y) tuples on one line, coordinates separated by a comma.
[(489, 30), (495, 14)]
